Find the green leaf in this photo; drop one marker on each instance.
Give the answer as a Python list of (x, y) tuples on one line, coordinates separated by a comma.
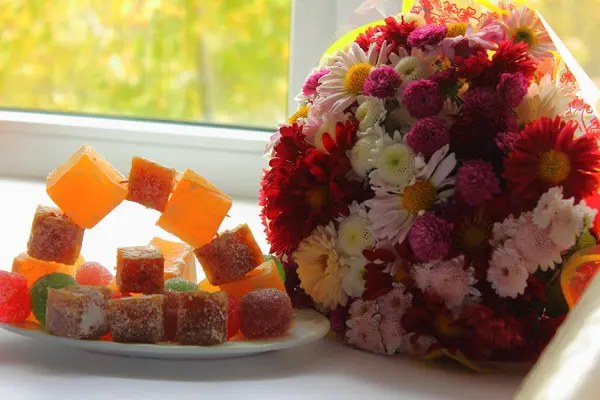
[(278, 264)]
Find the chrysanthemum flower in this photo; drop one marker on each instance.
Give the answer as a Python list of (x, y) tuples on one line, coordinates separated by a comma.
[(320, 121), (535, 246), (495, 329), (506, 141), (383, 82), (546, 99), (487, 38), (413, 66), (346, 79), (312, 82), (429, 237), (525, 26), (395, 163), (393, 212), (476, 182), (428, 37), (371, 112), (548, 155), (513, 88), (319, 267), (354, 231), (398, 119), (361, 154), (428, 135), (423, 98), (507, 272)]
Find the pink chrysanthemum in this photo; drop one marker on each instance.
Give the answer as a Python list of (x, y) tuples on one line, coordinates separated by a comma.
[(429, 237), (476, 182), (423, 98), (513, 88), (536, 247), (312, 82), (506, 141), (484, 102), (382, 82), (364, 332), (427, 37), (428, 135)]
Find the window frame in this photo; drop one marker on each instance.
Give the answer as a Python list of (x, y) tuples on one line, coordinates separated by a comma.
[(34, 143)]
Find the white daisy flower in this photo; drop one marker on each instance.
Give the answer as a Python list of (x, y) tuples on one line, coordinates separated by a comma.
[(319, 267), (395, 163), (370, 112), (394, 211), (415, 66), (545, 100), (507, 272), (447, 279), (524, 25), (344, 83)]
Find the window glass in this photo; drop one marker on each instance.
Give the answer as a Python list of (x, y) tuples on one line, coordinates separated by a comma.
[(215, 61)]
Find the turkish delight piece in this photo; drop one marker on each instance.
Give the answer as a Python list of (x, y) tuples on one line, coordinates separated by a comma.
[(264, 276), (150, 184), (202, 318), (195, 210), (54, 236), (230, 256), (179, 259), (265, 313), (78, 312), (137, 319), (140, 269), (86, 187), (33, 269), (39, 292)]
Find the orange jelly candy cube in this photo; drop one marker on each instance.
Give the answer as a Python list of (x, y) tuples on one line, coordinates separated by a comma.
[(230, 256), (33, 269), (140, 269), (150, 184), (179, 259), (86, 187), (195, 210), (205, 286), (264, 276)]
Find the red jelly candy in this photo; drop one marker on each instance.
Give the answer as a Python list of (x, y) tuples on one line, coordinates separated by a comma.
[(265, 313), (93, 274), (15, 305), (233, 317)]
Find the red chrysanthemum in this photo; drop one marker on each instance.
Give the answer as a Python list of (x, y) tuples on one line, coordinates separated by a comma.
[(496, 328), (365, 39), (292, 144), (377, 282), (394, 33), (306, 187), (510, 57), (548, 154)]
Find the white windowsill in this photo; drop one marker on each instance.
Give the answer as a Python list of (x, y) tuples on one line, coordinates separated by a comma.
[(33, 144)]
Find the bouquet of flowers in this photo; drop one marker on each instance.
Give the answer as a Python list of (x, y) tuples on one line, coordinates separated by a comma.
[(431, 185)]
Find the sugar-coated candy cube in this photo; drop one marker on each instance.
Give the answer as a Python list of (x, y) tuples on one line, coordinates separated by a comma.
[(39, 292), (150, 184), (233, 317), (179, 259), (180, 285), (264, 276), (137, 319), (77, 312), (54, 236), (230, 256), (15, 303), (202, 318), (140, 269), (171, 308), (93, 273), (33, 269), (86, 187), (195, 210), (265, 313)]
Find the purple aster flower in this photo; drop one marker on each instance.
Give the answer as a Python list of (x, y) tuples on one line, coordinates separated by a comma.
[(513, 88), (429, 237), (427, 37), (423, 98), (382, 82), (506, 141), (476, 182), (312, 82), (428, 135)]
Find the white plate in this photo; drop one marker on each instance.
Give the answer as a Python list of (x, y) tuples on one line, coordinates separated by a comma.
[(308, 326)]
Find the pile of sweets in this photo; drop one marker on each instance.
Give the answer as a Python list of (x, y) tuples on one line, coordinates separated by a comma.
[(155, 296), (433, 183)]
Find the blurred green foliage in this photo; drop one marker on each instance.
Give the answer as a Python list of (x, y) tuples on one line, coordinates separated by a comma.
[(221, 61)]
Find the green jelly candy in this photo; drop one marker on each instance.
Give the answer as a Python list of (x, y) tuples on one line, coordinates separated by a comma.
[(181, 285), (39, 292), (278, 264)]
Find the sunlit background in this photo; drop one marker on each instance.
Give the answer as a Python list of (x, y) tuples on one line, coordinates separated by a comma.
[(210, 61)]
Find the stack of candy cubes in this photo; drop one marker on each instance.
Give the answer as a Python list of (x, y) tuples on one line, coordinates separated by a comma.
[(154, 295)]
